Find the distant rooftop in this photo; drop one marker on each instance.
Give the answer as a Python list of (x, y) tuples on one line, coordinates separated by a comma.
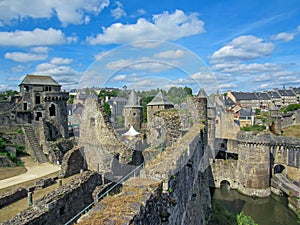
[(262, 96), (202, 93), (160, 99), (273, 94), (286, 92), (244, 95), (133, 100), (39, 80)]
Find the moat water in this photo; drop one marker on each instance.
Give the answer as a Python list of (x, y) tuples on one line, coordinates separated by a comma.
[(272, 210)]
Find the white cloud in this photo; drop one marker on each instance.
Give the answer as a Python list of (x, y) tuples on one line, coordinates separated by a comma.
[(100, 55), (202, 76), (170, 54), (298, 28), (67, 12), (24, 57), (118, 12), (34, 54), (253, 68), (242, 48), (164, 26), (284, 36), (144, 64), (120, 77), (18, 68), (60, 61), (228, 86), (37, 37), (116, 65), (65, 75), (40, 50)]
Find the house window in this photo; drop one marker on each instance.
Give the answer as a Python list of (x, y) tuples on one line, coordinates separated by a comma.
[(25, 106)]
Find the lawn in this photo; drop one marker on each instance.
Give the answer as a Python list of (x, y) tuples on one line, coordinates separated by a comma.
[(11, 172), (292, 131)]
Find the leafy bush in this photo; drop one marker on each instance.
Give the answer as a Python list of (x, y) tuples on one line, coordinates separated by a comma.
[(255, 127), (242, 219)]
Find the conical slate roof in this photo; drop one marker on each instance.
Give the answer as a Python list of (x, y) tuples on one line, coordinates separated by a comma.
[(133, 100), (202, 93), (160, 99)]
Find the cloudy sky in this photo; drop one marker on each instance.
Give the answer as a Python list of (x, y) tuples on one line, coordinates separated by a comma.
[(228, 45)]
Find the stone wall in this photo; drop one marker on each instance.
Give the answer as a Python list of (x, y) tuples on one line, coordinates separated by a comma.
[(12, 196), (6, 162), (164, 128), (72, 163), (61, 205), (172, 189), (289, 119), (224, 170), (100, 143), (254, 169)]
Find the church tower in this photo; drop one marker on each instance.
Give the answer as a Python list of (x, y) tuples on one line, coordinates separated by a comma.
[(133, 112)]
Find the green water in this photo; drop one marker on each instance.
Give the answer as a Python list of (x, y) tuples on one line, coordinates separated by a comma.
[(272, 210)]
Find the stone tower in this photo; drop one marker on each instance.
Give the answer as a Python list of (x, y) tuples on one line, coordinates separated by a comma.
[(159, 102), (254, 164), (132, 112)]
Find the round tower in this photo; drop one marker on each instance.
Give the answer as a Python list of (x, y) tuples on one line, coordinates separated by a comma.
[(159, 102), (132, 112), (254, 164)]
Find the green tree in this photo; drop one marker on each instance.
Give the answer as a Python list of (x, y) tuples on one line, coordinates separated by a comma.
[(188, 91), (71, 99), (106, 109), (291, 107), (120, 121)]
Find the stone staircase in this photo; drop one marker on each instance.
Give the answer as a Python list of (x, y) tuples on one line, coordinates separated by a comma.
[(35, 149)]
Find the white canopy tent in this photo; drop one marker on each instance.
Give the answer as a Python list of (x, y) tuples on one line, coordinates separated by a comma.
[(131, 133)]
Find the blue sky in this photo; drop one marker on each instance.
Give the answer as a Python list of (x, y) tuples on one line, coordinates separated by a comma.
[(218, 45)]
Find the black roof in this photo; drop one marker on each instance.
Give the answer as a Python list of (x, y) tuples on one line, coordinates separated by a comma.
[(296, 90), (286, 92), (244, 96), (262, 96), (273, 94), (245, 112)]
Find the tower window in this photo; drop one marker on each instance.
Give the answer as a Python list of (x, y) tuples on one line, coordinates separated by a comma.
[(92, 122), (38, 116), (25, 106), (37, 99), (52, 110)]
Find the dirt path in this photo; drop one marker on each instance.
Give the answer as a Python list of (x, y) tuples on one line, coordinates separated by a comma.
[(34, 171)]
